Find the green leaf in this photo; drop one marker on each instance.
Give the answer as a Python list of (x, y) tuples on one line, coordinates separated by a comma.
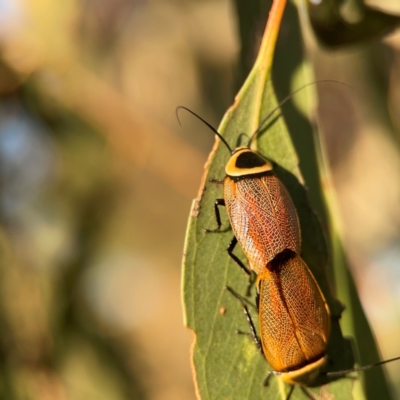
[(227, 365)]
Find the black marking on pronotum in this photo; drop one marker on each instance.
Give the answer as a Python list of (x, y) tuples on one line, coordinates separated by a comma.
[(249, 160)]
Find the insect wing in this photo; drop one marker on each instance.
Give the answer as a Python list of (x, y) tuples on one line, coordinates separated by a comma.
[(293, 315), (263, 218)]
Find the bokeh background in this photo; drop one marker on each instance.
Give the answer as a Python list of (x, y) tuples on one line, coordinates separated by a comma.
[(97, 178)]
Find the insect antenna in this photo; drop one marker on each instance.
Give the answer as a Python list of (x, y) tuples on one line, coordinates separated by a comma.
[(285, 100), (204, 121), (365, 367)]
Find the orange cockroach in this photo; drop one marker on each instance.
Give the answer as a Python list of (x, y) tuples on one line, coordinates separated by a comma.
[(260, 209), (294, 319)]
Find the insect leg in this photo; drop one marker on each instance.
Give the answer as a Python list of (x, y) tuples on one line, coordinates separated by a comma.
[(251, 275), (249, 319), (230, 248), (213, 180), (218, 202), (307, 393), (290, 392), (267, 378)]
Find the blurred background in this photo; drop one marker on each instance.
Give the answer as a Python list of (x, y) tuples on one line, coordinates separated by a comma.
[(97, 179)]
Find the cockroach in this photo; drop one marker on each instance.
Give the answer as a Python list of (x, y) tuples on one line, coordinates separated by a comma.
[(294, 319), (294, 323), (261, 212)]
